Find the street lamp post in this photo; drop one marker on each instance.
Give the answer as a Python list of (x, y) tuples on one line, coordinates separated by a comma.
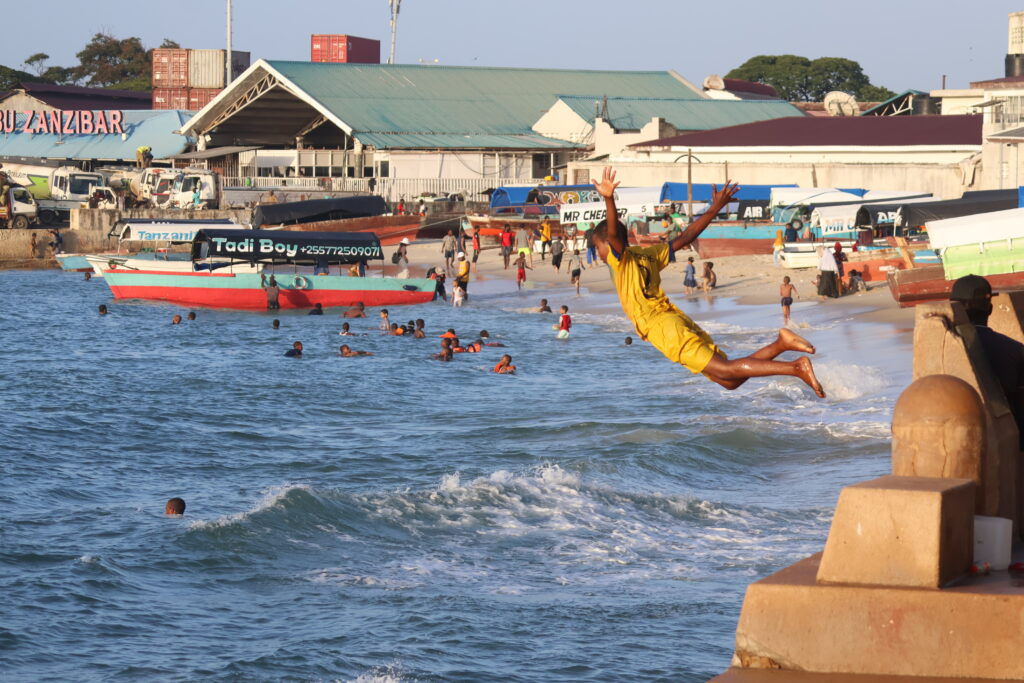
[(689, 180)]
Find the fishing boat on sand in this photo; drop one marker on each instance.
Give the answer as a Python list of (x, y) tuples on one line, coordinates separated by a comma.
[(304, 280), (990, 244), (359, 213)]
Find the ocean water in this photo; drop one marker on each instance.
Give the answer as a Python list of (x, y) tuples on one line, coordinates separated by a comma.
[(596, 517)]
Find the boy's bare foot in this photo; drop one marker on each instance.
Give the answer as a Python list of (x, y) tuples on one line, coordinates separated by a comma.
[(805, 371), (794, 342)]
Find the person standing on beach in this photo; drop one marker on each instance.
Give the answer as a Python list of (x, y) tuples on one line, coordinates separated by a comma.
[(690, 276), (273, 292), (588, 239), (32, 247), (556, 253), (523, 244), (506, 244), (777, 247), (475, 242), (448, 249), (708, 279), (575, 269), (636, 273), (787, 291), (828, 275)]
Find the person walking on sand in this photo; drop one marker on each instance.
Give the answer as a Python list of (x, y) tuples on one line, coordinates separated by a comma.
[(557, 248), (690, 276), (708, 279), (636, 273), (545, 237), (521, 270), (575, 267), (777, 247), (787, 291), (588, 240), (448, 249)]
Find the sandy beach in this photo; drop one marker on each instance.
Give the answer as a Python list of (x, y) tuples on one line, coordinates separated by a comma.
[(750, 280)]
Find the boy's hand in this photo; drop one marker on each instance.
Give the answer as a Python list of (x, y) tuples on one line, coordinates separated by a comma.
[(722, 197), (606, 188)]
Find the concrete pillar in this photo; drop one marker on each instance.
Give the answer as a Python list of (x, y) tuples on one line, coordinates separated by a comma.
[(938, 430), (945, 343)]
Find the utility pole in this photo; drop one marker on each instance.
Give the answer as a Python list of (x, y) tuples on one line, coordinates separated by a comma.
[(228, 76), (395, 6)]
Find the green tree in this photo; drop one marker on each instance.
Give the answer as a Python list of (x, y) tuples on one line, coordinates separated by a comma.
[(109, 62), (800, 79), (874, 93), (37, 62), (9, 78)]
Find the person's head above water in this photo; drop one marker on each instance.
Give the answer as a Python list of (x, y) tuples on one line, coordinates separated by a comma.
[(629, 341), (543, 302), (343, 349), (563, 309), (176, 319), (191, 315), (103, 309), (483, 334), (175, 506), (420, 323), (344, 327), (276, 324), (297, 345), (319, 306), (383, 312)]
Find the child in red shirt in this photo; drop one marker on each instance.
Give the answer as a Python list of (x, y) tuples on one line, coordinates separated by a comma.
[(564, 323), (521, 271)]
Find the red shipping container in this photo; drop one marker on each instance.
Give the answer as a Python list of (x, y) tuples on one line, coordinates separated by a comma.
[(170, 98), (200, 97), (344, 48), (170, 68)]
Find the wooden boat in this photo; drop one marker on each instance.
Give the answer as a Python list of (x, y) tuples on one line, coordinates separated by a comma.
[(990, 245), (210, 282), (390, 230)]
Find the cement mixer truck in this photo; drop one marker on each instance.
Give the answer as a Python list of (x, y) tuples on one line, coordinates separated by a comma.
[(54, 182), (168, 187)]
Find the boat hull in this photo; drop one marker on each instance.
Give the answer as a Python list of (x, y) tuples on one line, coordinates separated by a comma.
[(924, 285), (243, 291), (74, 263)]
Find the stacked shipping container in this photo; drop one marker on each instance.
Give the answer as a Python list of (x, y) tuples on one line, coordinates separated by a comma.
[(190, 79), (344, 48)]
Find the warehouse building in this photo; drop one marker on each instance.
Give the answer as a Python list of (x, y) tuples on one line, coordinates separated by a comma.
[(461, 128)]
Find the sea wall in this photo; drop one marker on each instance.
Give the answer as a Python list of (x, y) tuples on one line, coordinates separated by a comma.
[(16, 246), (104, 219)]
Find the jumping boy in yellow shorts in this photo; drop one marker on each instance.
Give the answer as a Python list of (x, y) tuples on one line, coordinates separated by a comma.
[(636, 272)]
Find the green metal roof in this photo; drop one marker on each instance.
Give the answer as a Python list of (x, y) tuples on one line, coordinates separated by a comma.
[(633, 113), (456, 141), (417, 101), (882, 105)]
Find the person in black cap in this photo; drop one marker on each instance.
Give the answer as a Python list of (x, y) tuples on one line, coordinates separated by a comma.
[(1005, 355)]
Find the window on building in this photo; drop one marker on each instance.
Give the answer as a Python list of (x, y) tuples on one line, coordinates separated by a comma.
[(337, 172), (320, 171), (385, 169)]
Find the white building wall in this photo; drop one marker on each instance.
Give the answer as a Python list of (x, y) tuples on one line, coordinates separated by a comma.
[(561, 122), (920, 154), (609, 141), (449, 164)]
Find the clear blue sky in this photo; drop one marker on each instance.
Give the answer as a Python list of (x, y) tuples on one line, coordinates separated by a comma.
[(900, 43)]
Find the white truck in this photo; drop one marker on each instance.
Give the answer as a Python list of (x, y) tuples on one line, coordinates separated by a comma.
[(54, 182), (20, 211)]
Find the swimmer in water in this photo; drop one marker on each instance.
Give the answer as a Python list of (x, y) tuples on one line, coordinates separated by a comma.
[(295, 351), (176, 320), (636, 272), (446, 350), (487, 339), (419, 332), (396, 331), (385, 324), (357, 311), (318, 309), (103, 309), (276, 324), (175, 506), (191, 315), (504, 366), (629, 341), (346, 352), (544, 308), (346, 331), (564, 323)]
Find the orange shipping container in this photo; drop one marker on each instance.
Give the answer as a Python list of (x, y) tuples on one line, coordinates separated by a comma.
[(170, 98), (200, 97), (332, 47), (170, 68)]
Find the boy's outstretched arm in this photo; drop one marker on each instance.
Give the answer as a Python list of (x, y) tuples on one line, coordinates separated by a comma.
[(718, 201), (606, 188)]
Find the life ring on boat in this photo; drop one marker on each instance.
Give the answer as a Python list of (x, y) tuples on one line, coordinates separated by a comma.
[(300, 282)]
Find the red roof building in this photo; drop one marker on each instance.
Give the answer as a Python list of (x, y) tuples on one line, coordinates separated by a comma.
[(47, 97), (836, 131)]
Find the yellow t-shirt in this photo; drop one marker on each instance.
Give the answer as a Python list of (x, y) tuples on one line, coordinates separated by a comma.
[(545, 231), (637, 277), (463, 273)]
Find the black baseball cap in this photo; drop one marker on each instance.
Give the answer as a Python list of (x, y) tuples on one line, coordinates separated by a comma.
[(971, 288)]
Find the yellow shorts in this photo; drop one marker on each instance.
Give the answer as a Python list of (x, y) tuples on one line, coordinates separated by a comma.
[(524, 250), (681, 340)]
